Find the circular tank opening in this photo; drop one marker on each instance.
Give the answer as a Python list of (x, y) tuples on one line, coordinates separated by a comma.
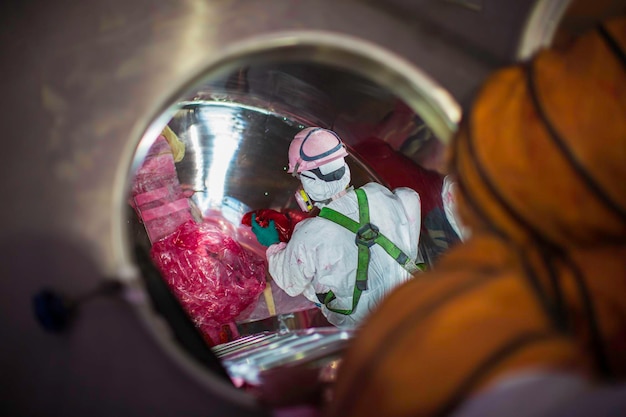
[(219, 151)]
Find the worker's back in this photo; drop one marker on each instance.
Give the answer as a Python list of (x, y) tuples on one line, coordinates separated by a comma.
[(329, 254)]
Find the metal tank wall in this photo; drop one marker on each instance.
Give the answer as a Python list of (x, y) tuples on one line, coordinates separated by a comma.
[(82, 82)]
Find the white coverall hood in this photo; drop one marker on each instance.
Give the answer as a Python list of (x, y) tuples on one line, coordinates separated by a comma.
[(320, 190)]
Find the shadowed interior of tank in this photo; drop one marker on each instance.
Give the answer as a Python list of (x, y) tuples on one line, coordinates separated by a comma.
[(236, 130)]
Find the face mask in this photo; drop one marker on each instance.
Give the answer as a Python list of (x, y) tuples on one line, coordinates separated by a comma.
[(304, 201), (322, 187)]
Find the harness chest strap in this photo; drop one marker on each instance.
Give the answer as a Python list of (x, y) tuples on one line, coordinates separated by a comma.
[(367, 235)]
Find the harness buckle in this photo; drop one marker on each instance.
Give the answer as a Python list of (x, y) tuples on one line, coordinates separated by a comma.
[(367, 235), (362, 285), (321, 297), (411, 266)]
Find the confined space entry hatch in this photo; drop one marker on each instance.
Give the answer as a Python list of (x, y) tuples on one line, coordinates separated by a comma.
[(223, 153)]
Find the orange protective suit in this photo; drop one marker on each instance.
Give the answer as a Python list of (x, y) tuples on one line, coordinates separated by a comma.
[(541, 285)]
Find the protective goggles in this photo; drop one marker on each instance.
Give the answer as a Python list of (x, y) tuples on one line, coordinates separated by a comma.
[(331, 176)]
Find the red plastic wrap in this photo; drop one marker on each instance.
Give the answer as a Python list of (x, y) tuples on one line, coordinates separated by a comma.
[(285, 220), (400, 171), (212, 275)]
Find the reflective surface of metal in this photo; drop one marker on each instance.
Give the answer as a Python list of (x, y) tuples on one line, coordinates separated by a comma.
[(239, 152), (251, 358), (541, 26), (286, 368)]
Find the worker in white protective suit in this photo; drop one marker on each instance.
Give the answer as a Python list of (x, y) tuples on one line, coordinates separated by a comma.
[(363, 243)]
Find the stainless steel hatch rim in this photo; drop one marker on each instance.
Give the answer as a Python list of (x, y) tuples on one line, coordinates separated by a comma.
[(541, 27), (431, 101)]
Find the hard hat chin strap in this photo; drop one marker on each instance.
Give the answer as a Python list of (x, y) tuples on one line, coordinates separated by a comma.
[(295, 172)]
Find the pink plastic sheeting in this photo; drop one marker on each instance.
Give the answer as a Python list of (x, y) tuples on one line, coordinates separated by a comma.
[(212, 275), (158, 198), (283, 303)]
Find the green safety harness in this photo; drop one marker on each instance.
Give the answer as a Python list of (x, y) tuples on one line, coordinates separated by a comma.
[(367, 235)]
